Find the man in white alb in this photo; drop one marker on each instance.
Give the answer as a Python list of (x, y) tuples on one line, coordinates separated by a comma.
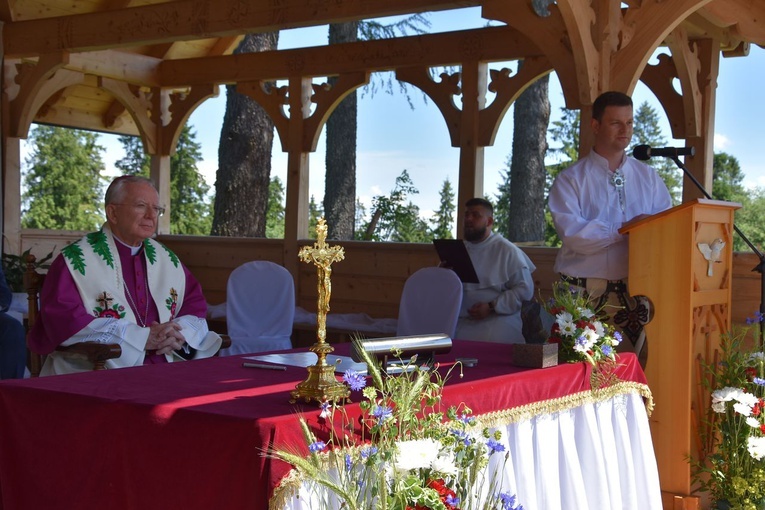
[(491, 308)]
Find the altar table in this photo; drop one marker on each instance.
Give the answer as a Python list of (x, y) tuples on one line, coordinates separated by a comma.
[(192, 435)]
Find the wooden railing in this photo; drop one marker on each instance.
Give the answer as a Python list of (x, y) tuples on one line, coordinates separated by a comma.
[(369, 280)]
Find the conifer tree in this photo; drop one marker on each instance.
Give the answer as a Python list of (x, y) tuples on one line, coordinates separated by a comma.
[(63, 181), (275, 211), (443, 219)]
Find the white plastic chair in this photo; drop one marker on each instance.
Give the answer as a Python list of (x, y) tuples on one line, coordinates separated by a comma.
[(430, 303), (260, 307)]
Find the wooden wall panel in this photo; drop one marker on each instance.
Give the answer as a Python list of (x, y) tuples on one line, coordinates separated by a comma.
[(371, 277)]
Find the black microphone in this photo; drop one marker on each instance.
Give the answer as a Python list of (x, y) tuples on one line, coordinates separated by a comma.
[(646, 152)]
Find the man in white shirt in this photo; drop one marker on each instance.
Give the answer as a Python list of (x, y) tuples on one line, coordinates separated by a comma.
[(591, 200), (491, 308)]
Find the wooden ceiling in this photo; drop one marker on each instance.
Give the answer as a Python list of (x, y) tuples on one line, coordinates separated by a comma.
[(155, 44)]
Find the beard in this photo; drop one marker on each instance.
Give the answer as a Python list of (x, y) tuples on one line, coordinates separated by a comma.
[(475, 234)]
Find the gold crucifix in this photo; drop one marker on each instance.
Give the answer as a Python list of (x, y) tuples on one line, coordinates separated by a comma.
[(321, 383)]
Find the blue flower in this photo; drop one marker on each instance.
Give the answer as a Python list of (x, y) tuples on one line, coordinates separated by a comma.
[(466, 419), (354, 380), (325, 409), (452, 501), (461, 436), (617, 337), (758, 381), (758, 317), (348, 463), (607, 350), (508, 501), (382, 413), (317, 446), (368, 451), (494, 446)]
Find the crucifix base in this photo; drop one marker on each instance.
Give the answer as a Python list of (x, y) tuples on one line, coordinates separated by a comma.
[(321, 384)]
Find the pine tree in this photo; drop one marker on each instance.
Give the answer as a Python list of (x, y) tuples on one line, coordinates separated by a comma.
[(443, 219), (275, 211), (395, 219), (191, 209), (314, 213), (190, 206), (648, 132), (63, 181)]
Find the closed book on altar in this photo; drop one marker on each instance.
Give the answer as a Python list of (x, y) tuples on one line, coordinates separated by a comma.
[(455, 256)]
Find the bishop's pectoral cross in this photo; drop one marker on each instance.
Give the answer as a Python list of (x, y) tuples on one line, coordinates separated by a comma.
[(104, 300)]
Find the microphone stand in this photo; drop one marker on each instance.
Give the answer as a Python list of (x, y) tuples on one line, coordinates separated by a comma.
[(759, 268)]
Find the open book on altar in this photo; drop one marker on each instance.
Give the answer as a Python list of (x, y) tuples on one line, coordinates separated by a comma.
[(455, 256)]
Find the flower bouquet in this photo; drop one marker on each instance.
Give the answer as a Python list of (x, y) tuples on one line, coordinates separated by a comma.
[(731, 464), (398, 449), (578, 331)]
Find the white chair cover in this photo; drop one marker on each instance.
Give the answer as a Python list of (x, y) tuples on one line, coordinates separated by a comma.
[(430, 303), (260, 306)]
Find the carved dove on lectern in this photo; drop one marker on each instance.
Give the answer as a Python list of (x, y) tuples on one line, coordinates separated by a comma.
[(712, 253)]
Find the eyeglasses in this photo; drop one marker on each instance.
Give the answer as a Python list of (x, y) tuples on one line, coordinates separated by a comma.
[(142, 207)]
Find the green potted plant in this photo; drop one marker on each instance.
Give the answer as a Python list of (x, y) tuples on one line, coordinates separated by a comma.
[(14, 267)]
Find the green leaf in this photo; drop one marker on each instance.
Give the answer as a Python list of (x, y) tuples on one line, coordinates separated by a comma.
[(97, 240), (151, 252), (173, 256), (73, 253)]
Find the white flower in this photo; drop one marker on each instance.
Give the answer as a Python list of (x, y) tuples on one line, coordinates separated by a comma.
[(757, 356), (599, 329), (567, 328), (585, 312), (756, 447), (725, 394), (718, 406), (591, 336), (563, 317), (747, 398), (742, 409), (416, 454), (753, 422), (445, 465)]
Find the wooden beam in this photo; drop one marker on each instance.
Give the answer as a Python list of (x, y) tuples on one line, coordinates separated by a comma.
[(491, 44), (195, 19), (132, 68)]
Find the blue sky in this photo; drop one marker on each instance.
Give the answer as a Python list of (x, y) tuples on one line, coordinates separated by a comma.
[(393, 137)]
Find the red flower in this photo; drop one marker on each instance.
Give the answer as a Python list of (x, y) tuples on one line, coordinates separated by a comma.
[(109, 313), (762, 428)]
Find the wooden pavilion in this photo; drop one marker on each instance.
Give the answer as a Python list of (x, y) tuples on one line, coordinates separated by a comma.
[(141, 67)]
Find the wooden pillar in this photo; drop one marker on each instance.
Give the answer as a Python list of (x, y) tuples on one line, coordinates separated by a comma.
[(296, 212), (471, 170), (11, 195), (701, 165), (160, 174)]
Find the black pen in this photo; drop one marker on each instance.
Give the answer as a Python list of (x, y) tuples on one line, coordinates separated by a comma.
[(262, 365)]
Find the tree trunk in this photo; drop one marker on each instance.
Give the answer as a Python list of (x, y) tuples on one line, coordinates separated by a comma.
[(244, 157), (340, 179), (527, 170)]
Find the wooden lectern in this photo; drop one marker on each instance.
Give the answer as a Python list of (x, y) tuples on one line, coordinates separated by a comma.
[(677, 260)]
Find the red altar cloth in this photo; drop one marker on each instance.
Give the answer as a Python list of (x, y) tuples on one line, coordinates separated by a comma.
[(191, 435)]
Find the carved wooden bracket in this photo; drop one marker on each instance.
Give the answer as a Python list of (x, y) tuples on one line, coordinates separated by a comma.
[(36, 83), (549, 33), (326, 97), (440, 92), (139, 105), (683, 110), (507, 88), (273, 100), (687, 66), (180, 107)]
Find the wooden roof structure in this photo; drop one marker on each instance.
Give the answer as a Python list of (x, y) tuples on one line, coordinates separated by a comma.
[(142, 66)]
